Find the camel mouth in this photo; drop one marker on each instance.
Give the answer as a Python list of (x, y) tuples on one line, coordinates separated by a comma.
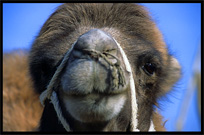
[(94, 107), (95, 92), (107, 93)]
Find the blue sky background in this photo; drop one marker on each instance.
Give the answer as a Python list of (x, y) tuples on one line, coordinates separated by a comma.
[(180, 23)]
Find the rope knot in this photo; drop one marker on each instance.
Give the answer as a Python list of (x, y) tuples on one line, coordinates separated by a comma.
[(116, 70)]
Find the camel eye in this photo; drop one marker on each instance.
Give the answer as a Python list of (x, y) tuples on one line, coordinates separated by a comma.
[(149, 68)]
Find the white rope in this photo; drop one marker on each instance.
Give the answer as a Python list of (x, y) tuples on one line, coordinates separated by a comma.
[(152, 128), (134, 109), (48, 92), (55, 102), (134, 106)]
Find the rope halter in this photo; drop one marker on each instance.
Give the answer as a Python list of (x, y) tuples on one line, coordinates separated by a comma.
[(118, 79)]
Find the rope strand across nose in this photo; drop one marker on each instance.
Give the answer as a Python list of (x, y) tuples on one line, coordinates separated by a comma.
[(117, 72)]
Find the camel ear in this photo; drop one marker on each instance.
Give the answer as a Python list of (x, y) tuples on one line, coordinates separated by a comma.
[(174, 73)]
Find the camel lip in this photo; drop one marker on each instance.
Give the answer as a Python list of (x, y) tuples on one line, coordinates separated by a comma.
[(95, 92)]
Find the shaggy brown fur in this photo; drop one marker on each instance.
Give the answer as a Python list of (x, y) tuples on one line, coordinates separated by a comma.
[(133, 29), (21, 106)]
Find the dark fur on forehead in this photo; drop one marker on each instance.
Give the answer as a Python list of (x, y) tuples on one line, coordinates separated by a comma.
[(130, 19)]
